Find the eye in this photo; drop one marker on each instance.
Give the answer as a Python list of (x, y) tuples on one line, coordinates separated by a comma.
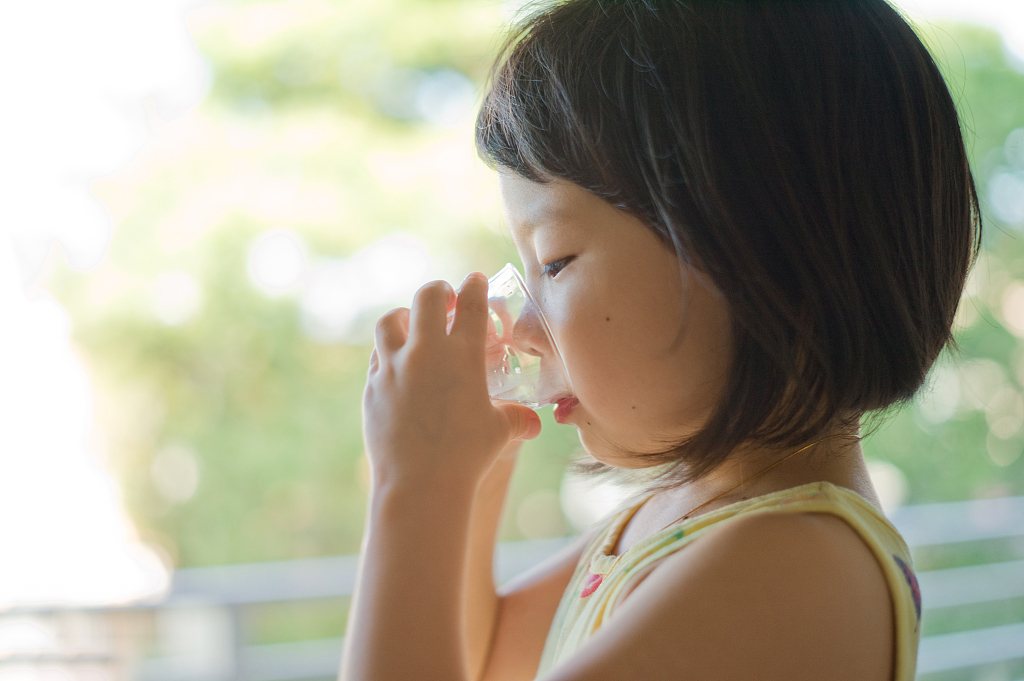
[(554, 267)]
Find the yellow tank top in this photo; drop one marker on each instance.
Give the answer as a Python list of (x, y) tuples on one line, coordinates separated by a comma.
[(584, 607)]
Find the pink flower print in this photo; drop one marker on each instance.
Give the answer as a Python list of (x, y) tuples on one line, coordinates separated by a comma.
[(591, 584)]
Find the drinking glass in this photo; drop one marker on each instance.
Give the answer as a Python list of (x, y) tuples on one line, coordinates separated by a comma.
[(523, 362)]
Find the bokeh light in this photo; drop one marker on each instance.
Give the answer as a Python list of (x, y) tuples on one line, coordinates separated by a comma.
[(278, 262)]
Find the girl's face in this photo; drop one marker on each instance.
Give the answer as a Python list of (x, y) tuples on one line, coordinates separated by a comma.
[(647, 347)]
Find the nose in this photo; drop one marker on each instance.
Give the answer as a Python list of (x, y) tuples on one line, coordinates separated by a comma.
[(529, 334)]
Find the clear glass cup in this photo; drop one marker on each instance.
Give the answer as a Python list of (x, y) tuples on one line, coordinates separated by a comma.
[(517, 369)]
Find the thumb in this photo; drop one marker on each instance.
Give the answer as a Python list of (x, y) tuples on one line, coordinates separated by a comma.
[(523, 422)]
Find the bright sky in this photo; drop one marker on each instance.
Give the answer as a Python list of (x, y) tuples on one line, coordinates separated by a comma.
[(84, 75)]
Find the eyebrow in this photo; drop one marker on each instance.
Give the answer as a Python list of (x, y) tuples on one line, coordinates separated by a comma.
[(549, 216), (526, 231)]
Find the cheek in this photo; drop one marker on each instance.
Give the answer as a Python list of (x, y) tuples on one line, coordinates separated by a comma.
[(587, 342), (647, 368), (612, 353), (588, 350)]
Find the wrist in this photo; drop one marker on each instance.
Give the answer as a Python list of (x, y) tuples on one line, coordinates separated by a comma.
[(423, 478), (399, 499)]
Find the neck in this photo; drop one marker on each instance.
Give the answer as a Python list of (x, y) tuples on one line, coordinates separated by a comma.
[(756, 472)]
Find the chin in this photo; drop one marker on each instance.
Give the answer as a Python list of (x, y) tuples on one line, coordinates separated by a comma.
[(611, 454), (629, 455)]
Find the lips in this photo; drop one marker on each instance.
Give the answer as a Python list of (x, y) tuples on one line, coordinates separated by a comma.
[(564, 408)]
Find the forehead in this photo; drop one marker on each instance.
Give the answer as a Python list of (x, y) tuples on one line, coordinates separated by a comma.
[(531, 205)]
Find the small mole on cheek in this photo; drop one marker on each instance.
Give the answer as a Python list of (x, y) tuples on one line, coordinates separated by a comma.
[(607, 319), (634, 406)]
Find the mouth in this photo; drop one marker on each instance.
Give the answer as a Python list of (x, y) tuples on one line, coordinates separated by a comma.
[(564, 408)]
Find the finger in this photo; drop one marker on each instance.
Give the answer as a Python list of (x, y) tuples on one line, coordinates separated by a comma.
[(511, 451), (471, 307), (450, 313), (391, 332), (523, 422), (507, 326), (428, 318)]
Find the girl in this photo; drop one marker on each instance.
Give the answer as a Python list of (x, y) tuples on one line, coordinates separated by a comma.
[(748, 223)]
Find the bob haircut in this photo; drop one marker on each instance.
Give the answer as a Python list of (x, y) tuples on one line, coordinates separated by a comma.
[(804, 155)]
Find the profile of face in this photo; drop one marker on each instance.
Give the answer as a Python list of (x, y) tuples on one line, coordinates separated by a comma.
[(646, 345)]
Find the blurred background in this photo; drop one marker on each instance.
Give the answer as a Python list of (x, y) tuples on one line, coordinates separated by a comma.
[(205, 206)]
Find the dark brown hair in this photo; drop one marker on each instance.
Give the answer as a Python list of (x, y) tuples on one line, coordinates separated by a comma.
[(805, 155)]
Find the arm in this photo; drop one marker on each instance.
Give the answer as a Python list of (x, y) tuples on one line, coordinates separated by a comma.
[(482, 603), (432, 434), (526, 607), (406, 616), (504, 633), (506, 630)]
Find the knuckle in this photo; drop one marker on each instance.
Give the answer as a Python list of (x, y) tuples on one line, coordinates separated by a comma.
[(475, 305), (473, 298)]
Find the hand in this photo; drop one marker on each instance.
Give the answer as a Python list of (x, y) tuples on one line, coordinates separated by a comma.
[(427, 417)]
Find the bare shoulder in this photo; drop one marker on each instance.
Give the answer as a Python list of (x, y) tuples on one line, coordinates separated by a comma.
[(766, 596)]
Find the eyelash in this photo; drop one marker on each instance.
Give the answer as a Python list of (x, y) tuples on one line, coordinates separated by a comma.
[(555, 266)]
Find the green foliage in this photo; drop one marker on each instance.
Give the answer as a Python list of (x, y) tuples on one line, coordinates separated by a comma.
[(308, 127), (961, 456)]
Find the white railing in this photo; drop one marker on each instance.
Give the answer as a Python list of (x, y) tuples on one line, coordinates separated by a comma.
[(200, 628)]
